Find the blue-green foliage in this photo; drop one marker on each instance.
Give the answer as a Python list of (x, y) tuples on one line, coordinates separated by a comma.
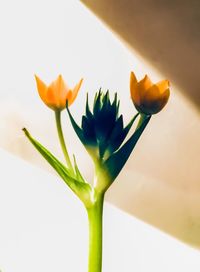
[(117, 160), (102, 130)]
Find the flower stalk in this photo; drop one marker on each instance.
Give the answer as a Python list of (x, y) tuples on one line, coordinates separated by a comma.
[(142, 118), (95, 220), (61, 139)]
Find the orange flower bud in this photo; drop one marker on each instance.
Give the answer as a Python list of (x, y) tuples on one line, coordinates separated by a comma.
[(147, 97), (57, 93)]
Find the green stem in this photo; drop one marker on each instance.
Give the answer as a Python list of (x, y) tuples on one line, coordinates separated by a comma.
[(142, 118), (61, 138), (95, 218)]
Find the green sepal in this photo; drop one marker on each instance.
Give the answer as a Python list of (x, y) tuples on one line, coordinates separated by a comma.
[(76, 184), (105, 115), (89, 143), (119, 134), (76, 127), (117, 160)]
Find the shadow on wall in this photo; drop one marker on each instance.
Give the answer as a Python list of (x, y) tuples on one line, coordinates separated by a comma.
[(166, 33), (158, 204)]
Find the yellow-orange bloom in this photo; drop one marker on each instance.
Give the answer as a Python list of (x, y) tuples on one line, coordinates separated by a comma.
[(57, 93), (147, 97)]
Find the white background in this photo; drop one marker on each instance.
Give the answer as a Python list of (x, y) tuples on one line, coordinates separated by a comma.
[(160, 182)]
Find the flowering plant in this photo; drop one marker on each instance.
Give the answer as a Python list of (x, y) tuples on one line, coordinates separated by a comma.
[(103, 134)]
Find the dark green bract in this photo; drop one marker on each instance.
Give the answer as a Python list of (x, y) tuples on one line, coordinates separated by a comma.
[(102, 132)]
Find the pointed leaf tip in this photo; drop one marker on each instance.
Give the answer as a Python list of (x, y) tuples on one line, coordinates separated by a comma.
[(80, 188), (25, 131)]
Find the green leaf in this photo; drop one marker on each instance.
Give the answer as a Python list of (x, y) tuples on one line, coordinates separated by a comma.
[(117, 160), (78, 173), (81, 189)]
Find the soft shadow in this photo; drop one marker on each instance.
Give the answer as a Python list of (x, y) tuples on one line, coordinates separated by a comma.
[(166, 33)]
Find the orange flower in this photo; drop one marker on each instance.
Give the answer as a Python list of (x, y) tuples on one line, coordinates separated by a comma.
[(57, 93), (147, 97)]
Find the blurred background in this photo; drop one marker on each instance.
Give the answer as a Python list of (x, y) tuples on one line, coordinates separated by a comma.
[(103, 41)]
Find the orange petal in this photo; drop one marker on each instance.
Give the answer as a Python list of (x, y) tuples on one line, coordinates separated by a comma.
[(163, 85), (133, 79), (133, 89), (42, 88), (143, 85), (69, 97), (51, 99), (57, 92), (60, 86), (74, 92), (154, 101), (139, 90), (63, 91), (54, 88)]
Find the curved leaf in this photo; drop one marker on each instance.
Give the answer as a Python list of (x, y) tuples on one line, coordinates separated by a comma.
[(81, 189)]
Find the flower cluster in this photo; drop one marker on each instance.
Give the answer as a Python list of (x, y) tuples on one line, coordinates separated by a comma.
[(102, 131), (104, 135), (147, 97)]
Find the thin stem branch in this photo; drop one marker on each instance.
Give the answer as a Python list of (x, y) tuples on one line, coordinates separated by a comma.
[(61, 139)]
